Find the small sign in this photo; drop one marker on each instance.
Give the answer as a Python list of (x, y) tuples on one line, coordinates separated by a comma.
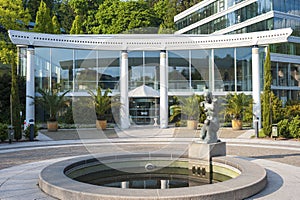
[(274, 131)]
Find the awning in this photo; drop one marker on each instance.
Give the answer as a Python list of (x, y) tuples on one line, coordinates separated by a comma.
[(143, 91)]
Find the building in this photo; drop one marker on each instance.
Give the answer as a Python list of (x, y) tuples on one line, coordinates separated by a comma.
[(244, 16), (146, 71)]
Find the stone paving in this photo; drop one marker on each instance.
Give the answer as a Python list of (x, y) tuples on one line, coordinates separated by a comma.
[(21, 162)]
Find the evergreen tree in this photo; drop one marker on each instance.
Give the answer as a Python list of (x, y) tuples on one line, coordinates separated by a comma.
[(166, 10), (13, 16), (33, 6), (65, 15), (56, 25), (116, 16), (43, 22), (266, 104), (76, 26)]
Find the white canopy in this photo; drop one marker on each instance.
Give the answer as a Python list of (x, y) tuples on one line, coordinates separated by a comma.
[(143, 91)]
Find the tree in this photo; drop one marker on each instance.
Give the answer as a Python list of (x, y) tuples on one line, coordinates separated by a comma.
[(266, 104), (116, 16), (65, 14), (87, 11), (166, 10), (76, 26), (56, 25), (43, 22), (33, 6), (13, 16)]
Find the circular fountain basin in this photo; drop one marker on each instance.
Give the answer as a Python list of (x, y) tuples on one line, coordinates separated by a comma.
[(125, 176)]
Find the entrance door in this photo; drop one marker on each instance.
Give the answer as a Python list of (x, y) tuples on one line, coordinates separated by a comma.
[(143, 110)]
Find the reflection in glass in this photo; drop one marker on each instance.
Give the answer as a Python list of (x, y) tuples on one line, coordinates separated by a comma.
[(108, 71), (224, 69), (85, 70), (143, 69), (244, 69), (62, 68), (135, 69), (42, 68), (200, 69), (179, 72)]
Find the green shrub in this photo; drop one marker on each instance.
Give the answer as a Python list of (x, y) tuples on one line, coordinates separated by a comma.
[(3, 132), (283, 128), (26, 132), (294, 127), (289, 128)]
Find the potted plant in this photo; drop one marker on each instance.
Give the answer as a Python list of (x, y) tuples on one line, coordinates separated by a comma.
[(52, 101), (237, 105), (103, 103), (189, 107)]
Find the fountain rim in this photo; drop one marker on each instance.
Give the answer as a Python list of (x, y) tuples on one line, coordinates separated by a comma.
[(253, 178)]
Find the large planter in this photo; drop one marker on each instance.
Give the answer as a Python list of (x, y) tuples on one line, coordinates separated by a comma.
[(52, 126), (192, 124), (101, 124), (237, 124)]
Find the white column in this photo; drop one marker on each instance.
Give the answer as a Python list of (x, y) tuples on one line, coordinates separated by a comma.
[(164, 184), (163, 91), (124, 109), (124, 184), (30, 84), (256, 85)]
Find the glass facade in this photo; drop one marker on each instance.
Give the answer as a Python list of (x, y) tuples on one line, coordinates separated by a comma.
[(233, 72), (188, 70), (291, 7), (286, 75), (235, 17)]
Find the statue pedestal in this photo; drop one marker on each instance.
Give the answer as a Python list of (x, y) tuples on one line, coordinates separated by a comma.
[(204, 151)]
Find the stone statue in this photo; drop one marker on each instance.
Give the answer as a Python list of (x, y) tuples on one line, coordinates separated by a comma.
[(211, 124)]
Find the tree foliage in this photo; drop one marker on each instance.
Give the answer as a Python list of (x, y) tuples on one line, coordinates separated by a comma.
[(13, 16), (43, 22), (189, 107), (56, 25), (77, 26), (52, 101), (116, 16), (238, 105), (266, 104)]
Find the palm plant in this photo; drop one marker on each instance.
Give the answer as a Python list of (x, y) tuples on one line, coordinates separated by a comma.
[(190, 107), (52, 101), (103, 103), (238, 105)]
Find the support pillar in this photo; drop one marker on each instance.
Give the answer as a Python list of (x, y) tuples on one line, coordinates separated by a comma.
[(124, 109), (30, 85), (256, 86), (163, 91)]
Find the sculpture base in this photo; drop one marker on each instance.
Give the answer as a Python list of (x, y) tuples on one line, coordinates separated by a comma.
[(204, 151)]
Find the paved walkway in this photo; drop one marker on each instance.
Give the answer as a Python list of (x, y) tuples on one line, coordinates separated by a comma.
[(21, 162)]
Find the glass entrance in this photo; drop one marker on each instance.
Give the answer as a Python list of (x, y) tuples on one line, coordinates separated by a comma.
[(143, 111)]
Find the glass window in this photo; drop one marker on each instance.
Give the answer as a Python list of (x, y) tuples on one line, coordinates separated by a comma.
[(243, 69), (295, 75), (135, 69), (62, 68), (108, 69), (200, 69), (224, 69), (151, 72), (178, 70), (42, 68), (274, 73), (85, 70), (282, 74)]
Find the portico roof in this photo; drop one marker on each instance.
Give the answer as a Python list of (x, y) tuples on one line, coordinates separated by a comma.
[(149, 41)]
